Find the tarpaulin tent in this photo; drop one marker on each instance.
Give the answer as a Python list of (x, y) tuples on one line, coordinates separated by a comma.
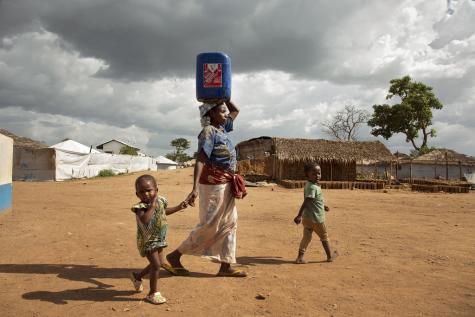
[(165, 164), (73, 160)]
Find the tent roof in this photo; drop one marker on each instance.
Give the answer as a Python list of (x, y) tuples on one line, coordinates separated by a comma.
[(73, 146), (163, 160)]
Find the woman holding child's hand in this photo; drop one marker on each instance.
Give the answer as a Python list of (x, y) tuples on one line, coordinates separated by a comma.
[(212, 182)]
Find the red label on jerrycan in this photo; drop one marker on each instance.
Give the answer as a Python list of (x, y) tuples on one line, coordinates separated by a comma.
[(212, 75)]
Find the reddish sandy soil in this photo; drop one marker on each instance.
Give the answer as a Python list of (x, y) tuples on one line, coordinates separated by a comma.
[(66, 250)]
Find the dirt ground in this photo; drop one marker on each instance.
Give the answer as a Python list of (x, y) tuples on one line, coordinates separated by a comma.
[(67, 247)]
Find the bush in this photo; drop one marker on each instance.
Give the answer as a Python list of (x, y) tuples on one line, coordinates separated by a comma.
[(128, 150), (106, 173)]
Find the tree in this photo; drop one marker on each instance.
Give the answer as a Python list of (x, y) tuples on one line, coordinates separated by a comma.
[(179, 155), (346, 123), (411, 116), (128, 150)]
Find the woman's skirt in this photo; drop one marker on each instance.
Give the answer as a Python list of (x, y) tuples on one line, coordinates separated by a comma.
[(215, 235)]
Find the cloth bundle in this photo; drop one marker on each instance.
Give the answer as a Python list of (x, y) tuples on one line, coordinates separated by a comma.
[(212, 175)]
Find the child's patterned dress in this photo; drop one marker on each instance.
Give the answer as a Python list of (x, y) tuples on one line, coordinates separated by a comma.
[(152, 235)]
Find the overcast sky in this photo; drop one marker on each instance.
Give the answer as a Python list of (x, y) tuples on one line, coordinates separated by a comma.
[(94, 70)]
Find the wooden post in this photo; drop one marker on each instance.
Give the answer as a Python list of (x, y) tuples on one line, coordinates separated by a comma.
[(460, 170), (446, 167), (390, 171), (385, 170), (410, 170), (397, 164), (280, 169), (331, 171)]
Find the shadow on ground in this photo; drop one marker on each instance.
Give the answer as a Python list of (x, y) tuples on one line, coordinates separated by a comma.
[(267, 260), (100, 292)]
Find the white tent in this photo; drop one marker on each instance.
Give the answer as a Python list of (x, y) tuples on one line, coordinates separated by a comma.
[(73, 146), (70, 159), (165, 164)]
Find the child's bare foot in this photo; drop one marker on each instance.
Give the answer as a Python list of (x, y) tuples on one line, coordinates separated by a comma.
[(136, 281), (332, 257), (300, 259)]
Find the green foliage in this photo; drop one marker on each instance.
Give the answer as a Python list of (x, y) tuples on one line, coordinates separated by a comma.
[(182, 157), (411, 116), (422, 151), (128, 150), (181, 144), (106, 173), (179, 155)]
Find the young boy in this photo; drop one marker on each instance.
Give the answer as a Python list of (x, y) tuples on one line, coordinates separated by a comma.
[(151, 214), (313, 213)]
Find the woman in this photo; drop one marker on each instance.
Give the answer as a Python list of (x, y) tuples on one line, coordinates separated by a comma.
[(215, 235)]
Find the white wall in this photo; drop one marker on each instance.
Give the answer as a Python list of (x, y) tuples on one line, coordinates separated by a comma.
[(432, 171), (162, 166), (6, 167)]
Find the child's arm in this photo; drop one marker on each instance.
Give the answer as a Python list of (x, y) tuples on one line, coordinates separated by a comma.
[(172, 210), (298, 218), (146, 214)]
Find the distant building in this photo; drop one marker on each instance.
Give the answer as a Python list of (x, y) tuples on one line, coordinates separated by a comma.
[(114, 146), (165, 164), (280, 158), (437, 164)]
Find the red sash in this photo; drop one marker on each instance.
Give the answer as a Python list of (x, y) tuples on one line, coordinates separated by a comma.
[(213, 175)]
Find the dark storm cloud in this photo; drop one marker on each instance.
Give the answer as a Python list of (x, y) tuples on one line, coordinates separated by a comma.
[(155, 39)]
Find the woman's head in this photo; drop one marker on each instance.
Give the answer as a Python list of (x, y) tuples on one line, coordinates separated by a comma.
[(146, 188), (212, 113), (218, 114)]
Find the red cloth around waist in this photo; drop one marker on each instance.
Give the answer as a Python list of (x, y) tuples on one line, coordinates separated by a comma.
[(213, 175)]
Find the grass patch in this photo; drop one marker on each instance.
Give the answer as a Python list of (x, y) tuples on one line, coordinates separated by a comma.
[(106, 173)]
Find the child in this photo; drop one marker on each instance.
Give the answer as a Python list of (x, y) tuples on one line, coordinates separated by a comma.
[(313, 213), (151, 219)]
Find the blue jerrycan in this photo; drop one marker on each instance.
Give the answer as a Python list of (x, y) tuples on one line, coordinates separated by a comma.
[(213, 76)]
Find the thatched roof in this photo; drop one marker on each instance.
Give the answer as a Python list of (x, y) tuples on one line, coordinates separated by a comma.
[(22, 142), (440, 155), (319, 149)]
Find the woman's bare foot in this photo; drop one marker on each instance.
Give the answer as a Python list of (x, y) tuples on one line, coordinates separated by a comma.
[(227, 271), (174, 259), (176, 266)]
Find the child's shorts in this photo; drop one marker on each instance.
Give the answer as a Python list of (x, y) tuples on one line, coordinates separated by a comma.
[(319, 228)]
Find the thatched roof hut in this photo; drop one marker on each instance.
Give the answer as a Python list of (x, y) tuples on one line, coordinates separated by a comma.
[(284, 158), (437, 164), (23, 142), (444, 155)]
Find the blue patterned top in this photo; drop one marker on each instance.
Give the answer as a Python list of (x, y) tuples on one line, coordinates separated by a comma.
[(217, 145)]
